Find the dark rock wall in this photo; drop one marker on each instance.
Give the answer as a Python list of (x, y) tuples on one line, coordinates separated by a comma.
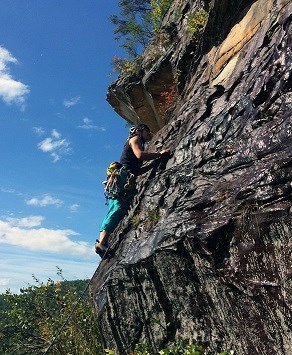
[(205, 251)]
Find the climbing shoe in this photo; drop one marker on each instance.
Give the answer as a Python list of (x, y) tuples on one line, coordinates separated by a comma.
[(100, 249)]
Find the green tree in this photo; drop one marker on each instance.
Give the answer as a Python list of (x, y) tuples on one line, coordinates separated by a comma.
[(138, 22), (30, 320), (133, 28)]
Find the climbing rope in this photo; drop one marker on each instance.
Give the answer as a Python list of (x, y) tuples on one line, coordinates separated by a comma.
[(55, 337)]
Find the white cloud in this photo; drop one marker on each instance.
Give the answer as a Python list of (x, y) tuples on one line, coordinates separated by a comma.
[(88, 124), (26, 222), (56, 134), (4, 282), (11, 90), (44, 201), (55, 145), (8, 191), (74, 207), (11, 191), (38, 130), (71, 102), (42, 239)]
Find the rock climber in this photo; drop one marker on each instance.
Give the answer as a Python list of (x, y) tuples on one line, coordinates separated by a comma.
[(132, 158)]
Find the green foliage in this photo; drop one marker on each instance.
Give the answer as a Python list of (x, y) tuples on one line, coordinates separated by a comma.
[(133, 27), (177, 76), (142, 349), (135, 221), (30, 320), (182, 349), (148, 219), (159, 9), (126, 67), (138, 22), (179, 348), (197, 21), (152, 217)]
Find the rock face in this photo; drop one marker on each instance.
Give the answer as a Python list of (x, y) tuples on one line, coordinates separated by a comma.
[(205, 252)]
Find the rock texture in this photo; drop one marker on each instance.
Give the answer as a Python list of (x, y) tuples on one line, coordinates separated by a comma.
[(204, 254)]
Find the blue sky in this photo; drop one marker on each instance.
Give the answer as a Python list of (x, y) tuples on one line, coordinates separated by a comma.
[(58, 134)]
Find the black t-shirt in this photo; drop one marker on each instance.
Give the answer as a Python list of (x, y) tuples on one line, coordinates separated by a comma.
[(129, 159)]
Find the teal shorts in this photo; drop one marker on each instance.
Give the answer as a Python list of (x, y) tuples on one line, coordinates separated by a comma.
[(116, 212)]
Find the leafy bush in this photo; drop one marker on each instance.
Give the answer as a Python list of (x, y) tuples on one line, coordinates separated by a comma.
[(152, 218), (135, 221), (179, 348), (159, 9), (126, 67), (30, 320), (196, 21)]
